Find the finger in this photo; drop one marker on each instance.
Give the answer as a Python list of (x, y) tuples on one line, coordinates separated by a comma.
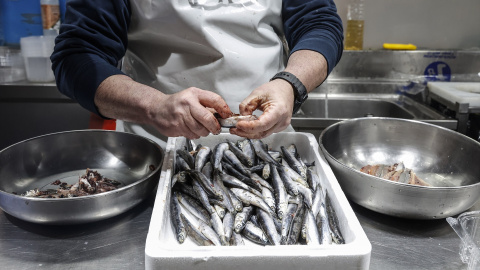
[(259, 135), (205, 120), (215, 101), (250, 104), (266, 121), (195, 124)]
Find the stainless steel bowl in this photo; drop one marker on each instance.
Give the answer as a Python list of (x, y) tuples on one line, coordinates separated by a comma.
[(447, 160), (37, 162)]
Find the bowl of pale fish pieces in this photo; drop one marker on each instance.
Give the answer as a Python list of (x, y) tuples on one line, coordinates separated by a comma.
[(403, 168), (79, 176)]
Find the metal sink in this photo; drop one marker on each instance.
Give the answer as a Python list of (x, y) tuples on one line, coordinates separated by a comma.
[(352, 108), (319, 112)]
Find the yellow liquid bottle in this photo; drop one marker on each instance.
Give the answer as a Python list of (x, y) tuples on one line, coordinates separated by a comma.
[(354, 35), (355, 25)]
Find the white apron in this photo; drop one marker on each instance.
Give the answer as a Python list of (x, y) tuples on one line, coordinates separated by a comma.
[(226, 46)]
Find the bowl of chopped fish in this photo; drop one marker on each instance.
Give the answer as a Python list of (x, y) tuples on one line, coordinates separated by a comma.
[(404, 168), (229, 202), (75, 177)]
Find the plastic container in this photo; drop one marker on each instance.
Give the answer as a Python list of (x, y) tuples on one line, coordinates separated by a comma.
[(36, 51), (467, 226), (162, 251), (12, 67), (355, 25)]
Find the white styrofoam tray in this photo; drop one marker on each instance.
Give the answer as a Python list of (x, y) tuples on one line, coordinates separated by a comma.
[(162, 251), (461, 92)]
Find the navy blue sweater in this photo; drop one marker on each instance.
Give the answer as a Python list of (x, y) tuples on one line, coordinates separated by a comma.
[(93, 38)]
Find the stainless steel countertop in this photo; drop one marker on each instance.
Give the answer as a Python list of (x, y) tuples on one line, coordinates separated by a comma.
[(119, 242)]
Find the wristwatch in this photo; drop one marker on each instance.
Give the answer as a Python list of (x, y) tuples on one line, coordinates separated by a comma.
[(299, 89)]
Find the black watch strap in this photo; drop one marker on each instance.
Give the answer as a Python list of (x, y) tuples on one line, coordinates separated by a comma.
[(298, 88)]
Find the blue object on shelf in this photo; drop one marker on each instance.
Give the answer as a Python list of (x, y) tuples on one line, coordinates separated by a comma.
[(63, 7), (20, 18)]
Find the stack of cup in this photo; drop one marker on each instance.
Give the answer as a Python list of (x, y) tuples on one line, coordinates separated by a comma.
[(36, 51)]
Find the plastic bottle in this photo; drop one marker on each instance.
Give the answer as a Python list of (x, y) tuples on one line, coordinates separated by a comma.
[(355, 23), (50, 17)]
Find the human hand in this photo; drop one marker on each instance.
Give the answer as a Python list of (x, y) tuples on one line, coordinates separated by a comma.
[(275, 99), (189, 113)]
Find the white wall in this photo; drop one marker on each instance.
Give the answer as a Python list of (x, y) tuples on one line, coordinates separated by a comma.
[(429, 24)]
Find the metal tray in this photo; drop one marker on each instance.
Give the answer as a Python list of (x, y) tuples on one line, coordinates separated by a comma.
[(162, 250)]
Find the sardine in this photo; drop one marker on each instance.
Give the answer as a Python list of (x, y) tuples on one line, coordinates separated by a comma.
[(313, 179), (333, 221), (255, 234), (202, 196), (195, 234), (245, 179), (217, 225), (276, 155), (251, 199), (180, 177), (268, 225), (215, 202), (237, 203), (244, 159), (257, 168), (232, 121), (247, 148), (266, 171), (290, 185), (323, 226), (254, 220), (318, 200), (193, 206), (202, 156), (268, 197), (181, 164), (236, 240), (210, 233), (189, 145), (287, 222), (280, 193), (220, 210), (235, 161), (310, 230), (206, 184), (187, 157), (187, 189), (234, 182), (295, 188), (228, 221), (217, 155), (179, 226), (263, 154), (207, 170), (293, 162), (296, 226), (292, 148), (255, 177), (242, 217), (218, 184), (294, 175)]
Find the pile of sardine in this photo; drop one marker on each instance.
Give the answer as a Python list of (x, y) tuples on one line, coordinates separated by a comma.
[(243, 190)]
